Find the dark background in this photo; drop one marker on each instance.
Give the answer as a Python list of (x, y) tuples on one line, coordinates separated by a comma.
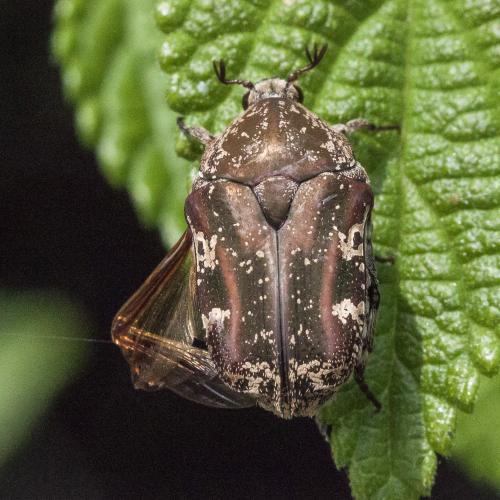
[(62, 226)]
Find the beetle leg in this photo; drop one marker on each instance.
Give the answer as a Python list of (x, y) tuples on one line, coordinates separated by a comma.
[(198, 133), (361, 124), (359, 378)]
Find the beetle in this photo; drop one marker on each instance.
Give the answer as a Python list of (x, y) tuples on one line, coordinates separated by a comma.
[(270, 296)]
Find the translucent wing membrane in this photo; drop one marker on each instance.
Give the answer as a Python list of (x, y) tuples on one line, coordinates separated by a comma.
[(161, 336)]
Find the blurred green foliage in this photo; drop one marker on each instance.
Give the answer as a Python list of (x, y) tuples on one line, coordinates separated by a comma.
[(430, 65), (37, 359), (108, 52)]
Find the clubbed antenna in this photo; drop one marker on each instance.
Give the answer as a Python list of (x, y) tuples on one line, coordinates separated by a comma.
[(220, 71), (314, 60)]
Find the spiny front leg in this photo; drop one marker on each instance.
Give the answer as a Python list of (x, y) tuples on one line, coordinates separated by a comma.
[(361, 124), (198, 133)]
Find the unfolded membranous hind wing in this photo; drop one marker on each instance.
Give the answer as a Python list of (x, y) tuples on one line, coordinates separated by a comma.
[(162, 339)]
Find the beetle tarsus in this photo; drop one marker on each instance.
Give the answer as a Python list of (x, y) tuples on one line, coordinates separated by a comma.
[(361, 124), (359, 378), (198, 133)]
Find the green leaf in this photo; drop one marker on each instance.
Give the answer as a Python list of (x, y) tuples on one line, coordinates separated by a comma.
[(477, 446), (35, 363), (107, 51), (432, 66)]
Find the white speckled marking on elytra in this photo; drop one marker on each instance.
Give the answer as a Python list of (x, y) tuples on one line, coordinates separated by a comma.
[(315, 372), (347, 308), (346, 243), (257, 374), (215, 317), (329, 146), (205, 256)]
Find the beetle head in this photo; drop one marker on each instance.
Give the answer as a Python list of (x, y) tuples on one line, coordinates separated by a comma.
[(273, 87)]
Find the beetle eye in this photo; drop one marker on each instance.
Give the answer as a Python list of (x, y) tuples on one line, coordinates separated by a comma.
[(244, 101), (301, 94)]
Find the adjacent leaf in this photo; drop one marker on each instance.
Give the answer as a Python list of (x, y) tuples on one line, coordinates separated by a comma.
[(107, 50), (477, 447), (34, 369), (432, 66)]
